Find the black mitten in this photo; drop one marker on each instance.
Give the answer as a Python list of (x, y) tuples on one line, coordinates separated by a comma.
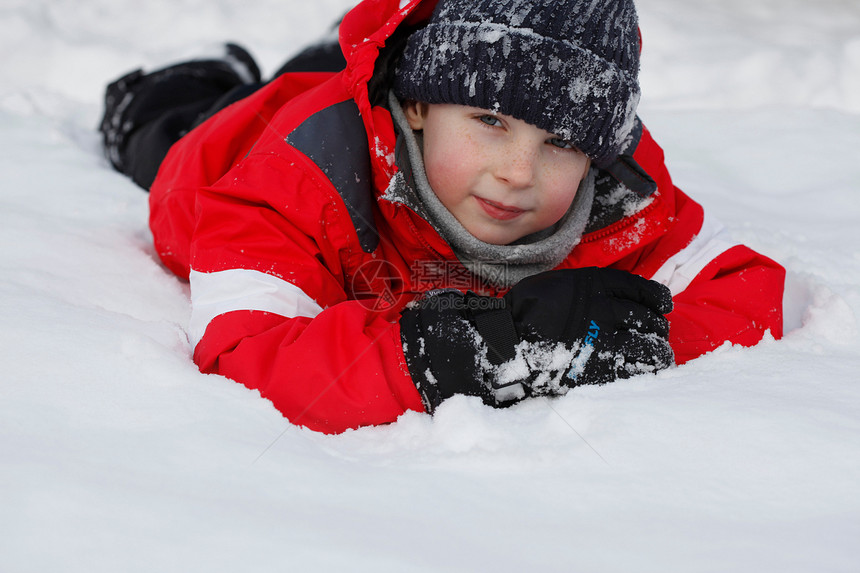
[(550, 332), (609, 322), (447, 355)]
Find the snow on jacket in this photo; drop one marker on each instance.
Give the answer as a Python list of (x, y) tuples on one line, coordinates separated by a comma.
[(299, 262)]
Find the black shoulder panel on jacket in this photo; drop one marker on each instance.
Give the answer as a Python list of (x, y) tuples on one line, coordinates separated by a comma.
[(620, 188), (335, 139)]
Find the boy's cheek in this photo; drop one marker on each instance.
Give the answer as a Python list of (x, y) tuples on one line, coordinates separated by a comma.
[(445, 173)]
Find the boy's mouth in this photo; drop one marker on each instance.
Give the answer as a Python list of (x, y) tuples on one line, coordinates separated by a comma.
[(499, 211)]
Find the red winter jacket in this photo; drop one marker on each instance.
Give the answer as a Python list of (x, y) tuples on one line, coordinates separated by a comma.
[(299, 264)]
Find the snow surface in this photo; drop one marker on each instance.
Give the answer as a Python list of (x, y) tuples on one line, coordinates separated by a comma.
[(116, 454)]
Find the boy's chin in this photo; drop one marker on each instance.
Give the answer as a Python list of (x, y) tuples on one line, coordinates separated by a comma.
[(495, 236)]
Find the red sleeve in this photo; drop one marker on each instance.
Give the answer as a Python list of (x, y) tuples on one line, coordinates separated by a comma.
[(269, 304), (342, 369), (723, 291), (737, 297)]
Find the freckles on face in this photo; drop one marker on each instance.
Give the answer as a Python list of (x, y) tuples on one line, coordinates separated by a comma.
[(500, 177), (453, 161)]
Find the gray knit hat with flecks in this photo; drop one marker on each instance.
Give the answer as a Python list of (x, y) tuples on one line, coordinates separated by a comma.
[(569, 67)]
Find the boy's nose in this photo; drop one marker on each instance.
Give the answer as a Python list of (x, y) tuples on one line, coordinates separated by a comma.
[(517, 167)]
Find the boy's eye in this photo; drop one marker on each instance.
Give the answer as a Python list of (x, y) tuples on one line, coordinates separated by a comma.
[(561, 143), (490, 120)]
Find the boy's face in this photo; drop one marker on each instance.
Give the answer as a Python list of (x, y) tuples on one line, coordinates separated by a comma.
[(502, 178)]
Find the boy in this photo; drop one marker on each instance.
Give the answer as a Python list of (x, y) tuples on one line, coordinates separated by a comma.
[(471, 206)]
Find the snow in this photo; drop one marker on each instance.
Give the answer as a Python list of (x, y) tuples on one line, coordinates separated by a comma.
[(118, 455)]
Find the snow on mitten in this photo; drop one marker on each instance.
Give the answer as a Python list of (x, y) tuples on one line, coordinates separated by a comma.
[(587, 326), (446, 348)]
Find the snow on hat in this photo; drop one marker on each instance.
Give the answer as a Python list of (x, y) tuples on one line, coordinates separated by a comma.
[(569, 67)]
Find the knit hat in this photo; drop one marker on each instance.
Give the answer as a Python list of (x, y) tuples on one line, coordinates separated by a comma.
[(569, 67)]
